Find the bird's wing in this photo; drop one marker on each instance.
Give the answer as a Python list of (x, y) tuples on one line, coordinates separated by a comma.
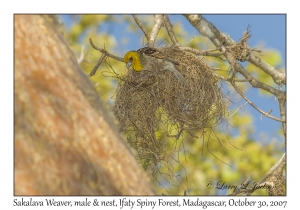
[(153, 52)]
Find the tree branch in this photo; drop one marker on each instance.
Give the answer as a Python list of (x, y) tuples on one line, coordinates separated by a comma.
[(155, 29), (106, 53), (207, 29), (277, 168), (219, 39), (170, 31), (255, 83), (283, 115), (66, 141), (138, 22), (230, 79), (267, 114), (102, 58), (275, 171), (203, 53), (278, 77)]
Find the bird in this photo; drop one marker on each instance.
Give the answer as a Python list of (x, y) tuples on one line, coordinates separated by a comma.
[(142, 58)]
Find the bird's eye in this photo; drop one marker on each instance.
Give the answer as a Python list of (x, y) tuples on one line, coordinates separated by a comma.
[(130, 59)]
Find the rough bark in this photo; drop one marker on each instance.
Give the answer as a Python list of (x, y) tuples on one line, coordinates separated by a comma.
[(66, 142)]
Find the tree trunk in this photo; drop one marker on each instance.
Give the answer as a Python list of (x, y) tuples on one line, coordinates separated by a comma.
[(65, 143)]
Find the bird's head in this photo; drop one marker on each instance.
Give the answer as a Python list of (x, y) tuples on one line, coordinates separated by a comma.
[(132, 59)]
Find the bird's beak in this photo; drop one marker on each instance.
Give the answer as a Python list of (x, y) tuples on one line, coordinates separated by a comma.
[(128, 64)]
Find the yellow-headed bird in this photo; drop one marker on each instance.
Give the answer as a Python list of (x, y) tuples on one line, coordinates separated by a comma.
[(140, 60)]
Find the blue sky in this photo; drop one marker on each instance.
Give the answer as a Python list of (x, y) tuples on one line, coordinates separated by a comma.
[(267, 29)]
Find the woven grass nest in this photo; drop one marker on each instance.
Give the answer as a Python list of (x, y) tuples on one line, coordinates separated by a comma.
[(153, 103)]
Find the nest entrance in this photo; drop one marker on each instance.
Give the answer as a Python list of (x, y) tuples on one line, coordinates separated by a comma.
[(153, 103)]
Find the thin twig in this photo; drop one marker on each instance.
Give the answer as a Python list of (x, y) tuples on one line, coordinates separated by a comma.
[(170, 31), (103, 56), (237, 109), (254, 106), (203, 53), (229, 79), (207, 147), (177, 135), (106, 53), (138, 22), (211, 50)]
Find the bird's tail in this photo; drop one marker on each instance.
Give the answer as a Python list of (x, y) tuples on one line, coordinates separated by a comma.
[(169, 66), (179, 76)]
